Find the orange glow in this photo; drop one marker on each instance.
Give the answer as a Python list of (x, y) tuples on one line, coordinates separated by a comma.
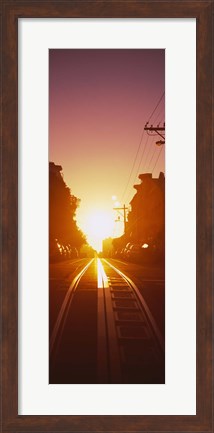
[(98, 225)]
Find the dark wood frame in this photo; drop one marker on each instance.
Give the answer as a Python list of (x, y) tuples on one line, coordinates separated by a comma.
[(202, 10)]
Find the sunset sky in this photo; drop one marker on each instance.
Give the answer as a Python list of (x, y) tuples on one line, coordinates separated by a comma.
[(100, 101)]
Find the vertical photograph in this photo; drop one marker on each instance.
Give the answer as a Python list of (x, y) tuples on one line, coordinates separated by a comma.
[(106, 216)]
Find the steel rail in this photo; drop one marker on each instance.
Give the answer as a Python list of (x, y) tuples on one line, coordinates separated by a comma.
[(143, 303), (60, 322)]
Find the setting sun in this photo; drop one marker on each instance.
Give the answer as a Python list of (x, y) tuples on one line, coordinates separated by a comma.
[(98, 225)]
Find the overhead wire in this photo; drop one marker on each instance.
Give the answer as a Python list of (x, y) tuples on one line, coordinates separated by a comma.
[(138, 150), (157, 159), (149, 152), (157, 105), (133, 165), (141, 159), (138, 167), (155, 137), (131, 193), (142, 162), (158, 115), (152, 135), (154, 151), (162, 108)]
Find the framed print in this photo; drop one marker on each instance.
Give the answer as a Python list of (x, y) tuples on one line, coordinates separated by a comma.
[(122, 344), (107, 220), (122, 397)]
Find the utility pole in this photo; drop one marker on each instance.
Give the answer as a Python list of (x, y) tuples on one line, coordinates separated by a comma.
[(157, 130), (124, 209)]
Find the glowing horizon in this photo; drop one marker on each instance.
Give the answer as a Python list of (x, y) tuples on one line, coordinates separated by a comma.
[(98, 224), (100, 101)]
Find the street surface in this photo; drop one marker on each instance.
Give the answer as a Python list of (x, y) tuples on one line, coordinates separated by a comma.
[(106, 322)]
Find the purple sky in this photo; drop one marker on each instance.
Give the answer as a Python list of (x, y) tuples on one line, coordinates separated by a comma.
[(100, 101)]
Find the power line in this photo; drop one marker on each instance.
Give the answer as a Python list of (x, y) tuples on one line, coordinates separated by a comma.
[(147, 128), (141, 159), (155, 150), (159, 113), (137, 171), (157, 159), (133, 165), (157, 105), (138, 150), (149, 152), (140, 163), (156, 129)]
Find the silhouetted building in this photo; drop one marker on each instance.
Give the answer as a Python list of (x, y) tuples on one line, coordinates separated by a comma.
[(146, 220)]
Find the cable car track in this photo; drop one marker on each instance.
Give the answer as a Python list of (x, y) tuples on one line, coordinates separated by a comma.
[(128, 346), (58, 328), (132, 339)]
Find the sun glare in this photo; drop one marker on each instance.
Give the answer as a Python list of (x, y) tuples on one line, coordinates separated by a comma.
[(98, 225)]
